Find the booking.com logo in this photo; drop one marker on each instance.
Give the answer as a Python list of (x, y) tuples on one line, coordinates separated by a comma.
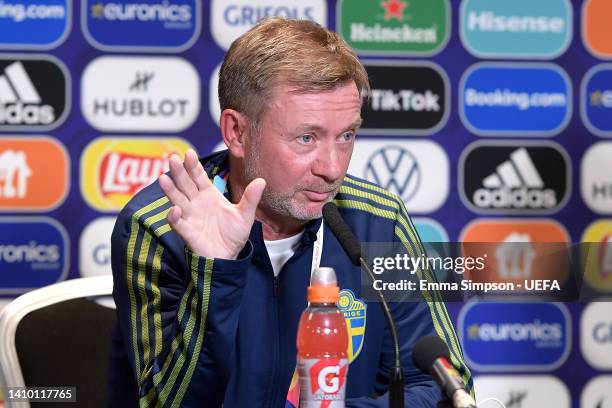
[(34, 25), (508, 99)]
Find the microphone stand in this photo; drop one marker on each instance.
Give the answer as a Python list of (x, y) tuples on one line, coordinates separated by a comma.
[(396, 375)]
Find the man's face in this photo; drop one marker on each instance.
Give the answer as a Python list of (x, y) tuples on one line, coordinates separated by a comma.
[(303, 149)]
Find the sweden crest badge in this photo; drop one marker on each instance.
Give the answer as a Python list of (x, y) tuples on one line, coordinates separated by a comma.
[(354, 311)]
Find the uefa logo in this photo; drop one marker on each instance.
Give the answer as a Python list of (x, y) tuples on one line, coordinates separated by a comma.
[(34, 25), (515, 99), (33, 253), (417, 171), (513, 177), (515, 336), (141, 26), (229, 19), (517, 29)]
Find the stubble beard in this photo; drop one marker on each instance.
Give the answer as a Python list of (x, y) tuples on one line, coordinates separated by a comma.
[(285, 203)]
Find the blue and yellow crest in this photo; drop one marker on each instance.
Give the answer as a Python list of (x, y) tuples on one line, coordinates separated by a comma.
[(354, 311)]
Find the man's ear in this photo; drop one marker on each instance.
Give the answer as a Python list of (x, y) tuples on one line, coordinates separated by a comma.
[(234, 127)]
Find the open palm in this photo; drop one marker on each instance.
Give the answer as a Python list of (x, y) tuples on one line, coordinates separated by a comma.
[(210, 225)]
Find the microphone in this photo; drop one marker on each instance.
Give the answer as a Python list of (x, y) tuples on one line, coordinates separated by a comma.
[(430, 354), (351, 246)]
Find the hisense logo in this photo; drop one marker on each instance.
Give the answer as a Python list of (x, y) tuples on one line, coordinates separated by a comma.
[(489, 21)]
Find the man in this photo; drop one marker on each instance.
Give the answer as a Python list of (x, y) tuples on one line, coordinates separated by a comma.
[(211, 263)]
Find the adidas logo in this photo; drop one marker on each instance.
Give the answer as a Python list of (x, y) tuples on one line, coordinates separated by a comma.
[(20, 102), (516, 183)]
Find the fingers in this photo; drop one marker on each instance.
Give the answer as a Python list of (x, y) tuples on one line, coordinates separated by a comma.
[(176, 197), (196, 171), (252, 194), (182, 179), (174, 215)]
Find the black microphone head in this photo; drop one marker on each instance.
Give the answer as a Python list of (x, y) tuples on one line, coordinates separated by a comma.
[(427, 350), (342, 232)]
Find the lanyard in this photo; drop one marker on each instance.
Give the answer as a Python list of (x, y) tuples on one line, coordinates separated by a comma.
[(317, 250), (221, 182)]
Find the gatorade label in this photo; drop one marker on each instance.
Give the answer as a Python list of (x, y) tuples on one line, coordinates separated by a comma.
[(322, 382)]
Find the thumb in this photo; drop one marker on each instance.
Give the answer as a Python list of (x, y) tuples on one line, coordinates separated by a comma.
[(252, 194)]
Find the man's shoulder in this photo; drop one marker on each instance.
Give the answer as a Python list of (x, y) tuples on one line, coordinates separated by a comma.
[(150, 201), (367, 197)]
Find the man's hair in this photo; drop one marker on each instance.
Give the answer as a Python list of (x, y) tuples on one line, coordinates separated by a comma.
[(298, 53)]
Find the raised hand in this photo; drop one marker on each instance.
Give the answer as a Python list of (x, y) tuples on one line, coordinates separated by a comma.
[(210, 225)]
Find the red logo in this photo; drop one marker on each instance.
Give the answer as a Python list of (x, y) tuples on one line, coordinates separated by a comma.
[(394, 9), (122, 173), (328, 376)]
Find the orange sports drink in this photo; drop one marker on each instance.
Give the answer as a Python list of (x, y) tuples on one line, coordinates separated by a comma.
[(322, 342)]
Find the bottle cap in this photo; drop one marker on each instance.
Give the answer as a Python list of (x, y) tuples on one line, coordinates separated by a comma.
[(323, 286)]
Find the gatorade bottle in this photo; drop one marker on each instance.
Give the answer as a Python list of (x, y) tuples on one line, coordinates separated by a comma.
[(322, 342)]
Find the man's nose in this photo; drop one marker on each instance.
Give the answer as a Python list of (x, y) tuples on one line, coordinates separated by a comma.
[(328, 163)]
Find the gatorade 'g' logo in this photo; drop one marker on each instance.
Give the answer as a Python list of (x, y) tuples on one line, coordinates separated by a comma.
[(354, 311), (328, 379)]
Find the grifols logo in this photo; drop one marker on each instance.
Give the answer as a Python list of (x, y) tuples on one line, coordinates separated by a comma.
[(115, 169)]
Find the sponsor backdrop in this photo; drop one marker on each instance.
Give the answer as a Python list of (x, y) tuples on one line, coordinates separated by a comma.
[(491, 119)]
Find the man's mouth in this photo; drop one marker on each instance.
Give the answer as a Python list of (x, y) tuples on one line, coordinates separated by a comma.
[(318, 195)]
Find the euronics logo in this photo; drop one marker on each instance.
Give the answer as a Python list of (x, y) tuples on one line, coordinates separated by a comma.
[(415, 27), (33, 253), (516, 29), (153, 25), (34, 24), (515, 99), (515, 336), (596, 100)]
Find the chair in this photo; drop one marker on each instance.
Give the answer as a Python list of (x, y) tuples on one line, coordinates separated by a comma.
[(58, 336)]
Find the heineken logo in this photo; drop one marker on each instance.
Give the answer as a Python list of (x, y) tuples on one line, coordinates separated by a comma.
[(394, 9), (415, 27)]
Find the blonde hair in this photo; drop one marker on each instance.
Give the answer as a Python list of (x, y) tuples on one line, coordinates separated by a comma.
[(299, 53)]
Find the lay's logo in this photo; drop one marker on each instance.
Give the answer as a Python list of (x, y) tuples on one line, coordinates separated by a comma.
[(33, 173), (115, 169)]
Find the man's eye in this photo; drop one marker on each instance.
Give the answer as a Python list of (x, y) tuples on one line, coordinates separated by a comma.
[(306, 138), (348, 136)]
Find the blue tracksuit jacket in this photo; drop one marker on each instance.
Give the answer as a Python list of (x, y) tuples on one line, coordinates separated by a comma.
[(198, 332)]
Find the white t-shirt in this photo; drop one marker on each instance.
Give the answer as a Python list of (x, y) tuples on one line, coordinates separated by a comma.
[(281, 250)]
